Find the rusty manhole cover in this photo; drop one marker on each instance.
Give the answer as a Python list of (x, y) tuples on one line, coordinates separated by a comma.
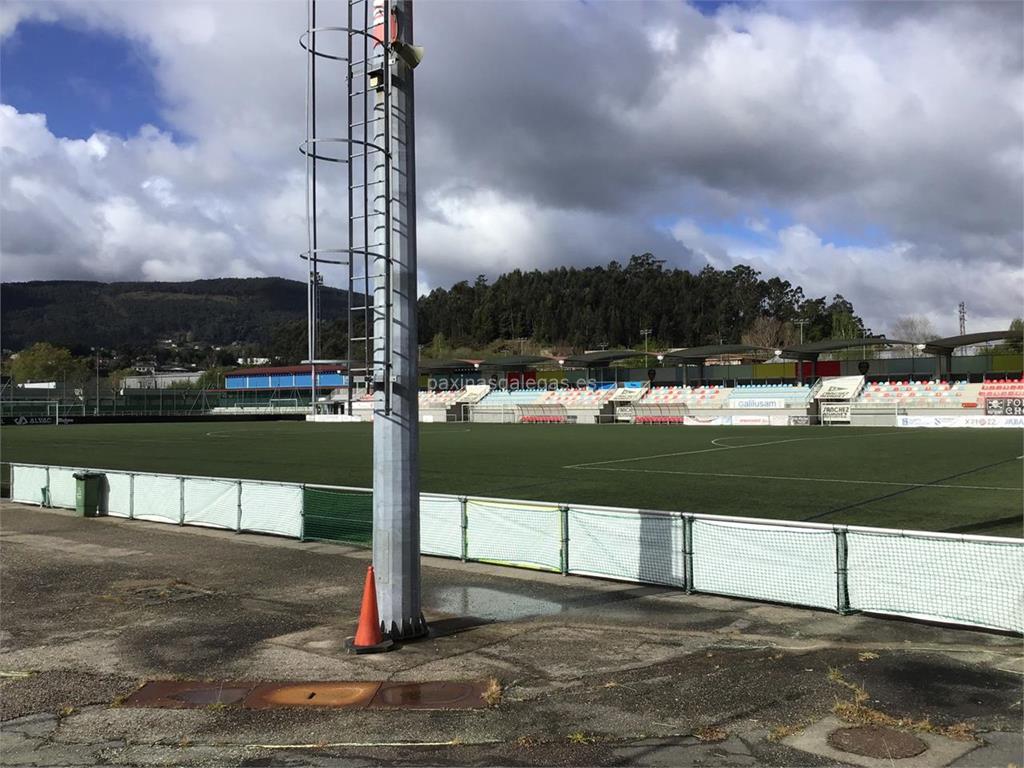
[(178, 694), (877, 742), (430, 696), (170, 592), (337, 695)]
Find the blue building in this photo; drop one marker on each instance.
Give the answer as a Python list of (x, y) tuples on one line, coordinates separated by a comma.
[(285, 377)]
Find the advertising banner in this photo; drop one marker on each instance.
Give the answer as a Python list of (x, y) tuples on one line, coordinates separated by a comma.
[(757, 402), (975, 422), (1004, 406), (840, 388), (23, 420), (800, 421), (707, 421), (835, 412), (751, 421)]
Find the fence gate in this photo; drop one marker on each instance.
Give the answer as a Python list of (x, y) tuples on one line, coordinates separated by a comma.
[(338, 515)]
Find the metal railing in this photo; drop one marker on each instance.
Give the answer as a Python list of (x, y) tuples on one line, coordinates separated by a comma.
[(957, 578)]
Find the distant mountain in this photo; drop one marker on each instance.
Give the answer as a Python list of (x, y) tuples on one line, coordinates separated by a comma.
[(81, 314), (613, 305)]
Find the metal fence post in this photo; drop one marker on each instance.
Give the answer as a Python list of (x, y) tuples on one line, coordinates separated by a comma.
[(842, 585), (688, 552), (46, 490), (181, 501), (131, 496), (563, 512), (10, 482), (238, 518), (464, 507), (302, 515)]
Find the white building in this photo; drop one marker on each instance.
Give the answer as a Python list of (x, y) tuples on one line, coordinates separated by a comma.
[(160, 379)]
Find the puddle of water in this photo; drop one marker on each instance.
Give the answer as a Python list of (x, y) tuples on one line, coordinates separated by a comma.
[(491, 604)]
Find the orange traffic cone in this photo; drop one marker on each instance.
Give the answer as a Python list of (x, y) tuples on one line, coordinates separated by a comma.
[(369, 637)]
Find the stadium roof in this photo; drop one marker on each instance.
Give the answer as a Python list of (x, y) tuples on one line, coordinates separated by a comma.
[(448, 365), (812, 350), (515, 361), (599, 358), (268, 369), (714, 350), (947, 345)]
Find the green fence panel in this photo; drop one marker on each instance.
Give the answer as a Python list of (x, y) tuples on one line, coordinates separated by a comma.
[(333, 515)]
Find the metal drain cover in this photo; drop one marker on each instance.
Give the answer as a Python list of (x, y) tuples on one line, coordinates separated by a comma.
[(336, 695), (430, 696), (175, 694), (877, 742)]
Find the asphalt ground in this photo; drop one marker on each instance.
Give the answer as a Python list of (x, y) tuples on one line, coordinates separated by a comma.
[(593, 672)]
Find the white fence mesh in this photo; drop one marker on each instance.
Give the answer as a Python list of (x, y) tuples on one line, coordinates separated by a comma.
[(967, 581), (62, 487), (763, 562), (212, 503), (626, 544), (158, 498), (28, 484), (514, 533), (971, 580), (118, 501), (440, 525), (272, 508)]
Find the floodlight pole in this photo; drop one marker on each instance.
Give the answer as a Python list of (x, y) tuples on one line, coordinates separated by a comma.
[(396, 518)]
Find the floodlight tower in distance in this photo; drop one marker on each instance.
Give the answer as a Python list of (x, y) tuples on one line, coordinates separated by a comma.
[(374, 138)]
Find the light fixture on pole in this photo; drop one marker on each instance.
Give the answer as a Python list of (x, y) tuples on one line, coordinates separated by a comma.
[(646, 333)]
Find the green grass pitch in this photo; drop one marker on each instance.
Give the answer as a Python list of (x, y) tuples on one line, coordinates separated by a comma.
[(927, 479)]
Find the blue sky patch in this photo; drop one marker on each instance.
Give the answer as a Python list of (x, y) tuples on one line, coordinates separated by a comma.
[(84, 81)]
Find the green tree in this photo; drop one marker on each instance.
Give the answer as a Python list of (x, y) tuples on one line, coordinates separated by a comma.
[(117, 377), (46, 362), (1015, 344)]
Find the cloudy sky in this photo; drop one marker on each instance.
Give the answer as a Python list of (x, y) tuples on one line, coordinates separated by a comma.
[(871, 149)]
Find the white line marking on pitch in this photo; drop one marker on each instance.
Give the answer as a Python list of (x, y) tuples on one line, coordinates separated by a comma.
[(800, 479), (587, 465)]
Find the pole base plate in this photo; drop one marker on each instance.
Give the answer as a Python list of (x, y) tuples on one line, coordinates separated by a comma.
[(384, 645)]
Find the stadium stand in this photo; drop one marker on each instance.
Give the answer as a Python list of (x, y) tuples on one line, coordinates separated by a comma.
[(506, 398), (559, 406), (577, 398), (504, 405), (695, 397), (447, 405), (1002, 388), (440, 399), (667, 405), (918, 394)]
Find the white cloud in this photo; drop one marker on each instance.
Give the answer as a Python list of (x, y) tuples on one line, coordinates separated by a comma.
[(136, 208), (557, 133), (884, 282), (663, 39)]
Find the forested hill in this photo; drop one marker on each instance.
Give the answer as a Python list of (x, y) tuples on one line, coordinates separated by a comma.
[(611, 305), (81, 314), (582, 308)]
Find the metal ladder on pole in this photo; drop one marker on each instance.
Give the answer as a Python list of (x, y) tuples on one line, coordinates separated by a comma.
[(370, 143)]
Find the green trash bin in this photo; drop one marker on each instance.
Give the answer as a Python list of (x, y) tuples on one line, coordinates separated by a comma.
[(87, 493)]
